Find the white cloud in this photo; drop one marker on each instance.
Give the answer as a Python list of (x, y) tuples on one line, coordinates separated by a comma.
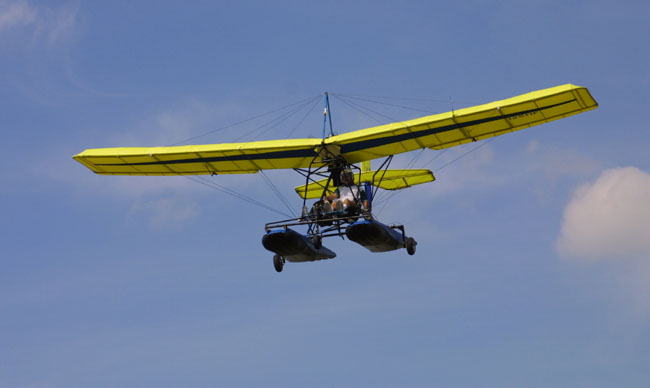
[(57, 25), (609, 219), (16, 14), (40, 24)]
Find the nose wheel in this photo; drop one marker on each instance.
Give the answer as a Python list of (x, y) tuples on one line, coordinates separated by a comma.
[(278, 262)]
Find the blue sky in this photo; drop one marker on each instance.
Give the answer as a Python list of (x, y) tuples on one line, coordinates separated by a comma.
[(533, 253)]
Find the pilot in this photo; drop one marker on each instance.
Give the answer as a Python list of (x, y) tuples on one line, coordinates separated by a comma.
[(347, 196)]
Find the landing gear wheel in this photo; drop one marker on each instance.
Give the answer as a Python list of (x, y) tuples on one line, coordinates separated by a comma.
[(317, 240), (410, 245), (278, 262)]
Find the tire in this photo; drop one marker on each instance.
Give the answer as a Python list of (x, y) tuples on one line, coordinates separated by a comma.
[(410, 246), (317, 240), (278, 263)]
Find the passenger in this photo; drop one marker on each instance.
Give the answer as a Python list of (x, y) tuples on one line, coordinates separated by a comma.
[(348, 195)]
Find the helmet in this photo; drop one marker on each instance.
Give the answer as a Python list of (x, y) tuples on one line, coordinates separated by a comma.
[(347, 173)]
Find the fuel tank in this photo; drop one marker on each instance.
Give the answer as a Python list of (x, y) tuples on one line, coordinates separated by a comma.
[(375, 236), (294, 247)]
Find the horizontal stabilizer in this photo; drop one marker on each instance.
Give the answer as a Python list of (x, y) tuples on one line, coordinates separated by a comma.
[(387, 180)]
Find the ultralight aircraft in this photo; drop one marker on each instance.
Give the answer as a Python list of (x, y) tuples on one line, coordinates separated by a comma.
[(334, 162)]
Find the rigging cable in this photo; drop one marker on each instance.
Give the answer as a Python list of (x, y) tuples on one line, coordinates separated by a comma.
[(385, 201), (388, 104), (315, 103), (446, 100), (276, 121), (242, 121), (359, 110), (436, 156), (408, 166), (359, 107), (233, 193), (204, 181), (465, 154), (285, 117), (277, 192)]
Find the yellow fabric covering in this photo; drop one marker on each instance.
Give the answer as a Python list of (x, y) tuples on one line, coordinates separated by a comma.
[(387, 180), (437, 132)]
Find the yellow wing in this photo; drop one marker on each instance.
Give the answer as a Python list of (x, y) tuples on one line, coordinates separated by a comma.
[(436, 132), (465, 125), (387, 180), (232, 158)]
